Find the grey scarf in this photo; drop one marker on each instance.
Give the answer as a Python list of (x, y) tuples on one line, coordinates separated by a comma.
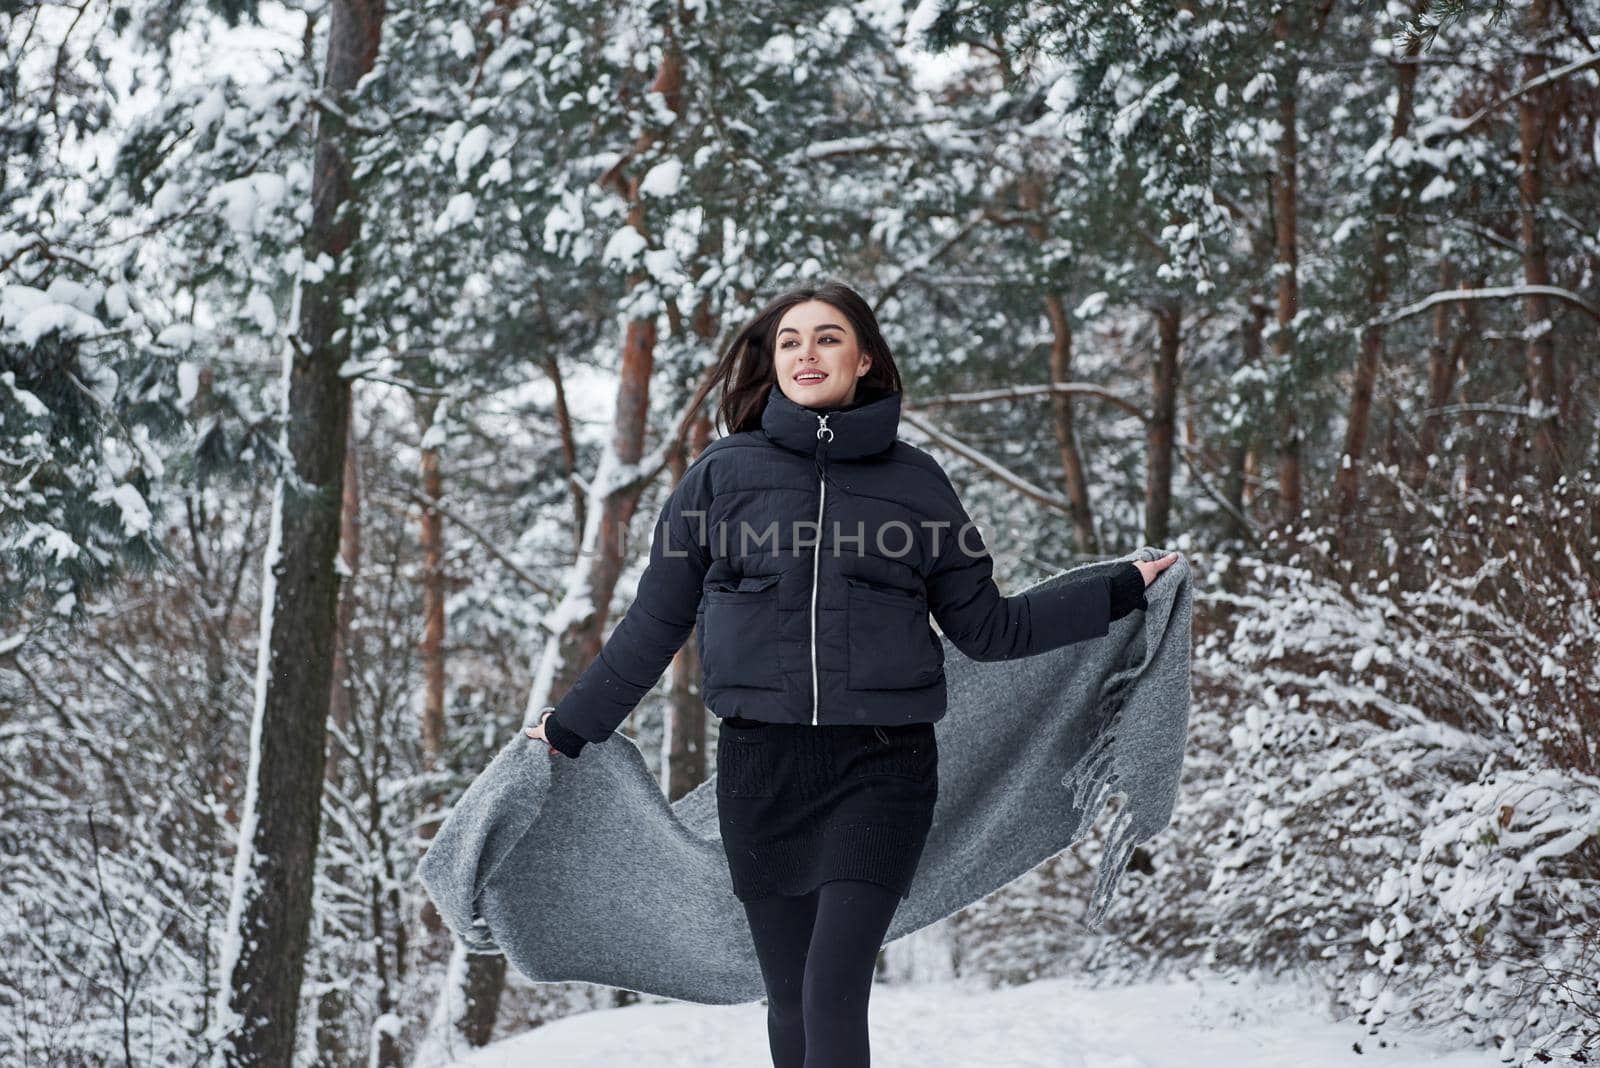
[(581, 870)]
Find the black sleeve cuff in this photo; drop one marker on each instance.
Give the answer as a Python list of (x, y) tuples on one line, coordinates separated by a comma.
[(567, 741), (1127, 590)]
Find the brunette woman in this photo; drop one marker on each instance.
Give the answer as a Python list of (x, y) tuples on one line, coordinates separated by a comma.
[(808, 548)]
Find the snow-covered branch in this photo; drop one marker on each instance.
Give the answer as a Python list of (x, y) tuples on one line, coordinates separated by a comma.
[(999, 471), (1486, 293)]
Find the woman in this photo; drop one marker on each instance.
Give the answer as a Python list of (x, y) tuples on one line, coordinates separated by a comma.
[(807, 549)]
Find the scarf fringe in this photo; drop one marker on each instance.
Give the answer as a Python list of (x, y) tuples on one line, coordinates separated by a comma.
[(1092, 781)]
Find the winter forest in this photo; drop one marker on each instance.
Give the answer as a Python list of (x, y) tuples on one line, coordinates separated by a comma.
[(347, 351)]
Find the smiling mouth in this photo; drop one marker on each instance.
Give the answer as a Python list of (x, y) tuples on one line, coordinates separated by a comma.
[(806, 378)]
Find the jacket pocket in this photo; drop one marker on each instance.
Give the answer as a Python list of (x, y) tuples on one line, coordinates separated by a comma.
[(739, 634), (891, 645)]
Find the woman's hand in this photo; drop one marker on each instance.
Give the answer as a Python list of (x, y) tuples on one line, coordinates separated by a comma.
[(537, 731), (1151, 568)]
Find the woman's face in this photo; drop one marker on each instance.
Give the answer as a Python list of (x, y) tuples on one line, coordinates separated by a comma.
[(815, 339)]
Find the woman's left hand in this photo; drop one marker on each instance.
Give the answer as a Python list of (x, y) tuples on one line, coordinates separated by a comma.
[(537, 731), (1151, 568)]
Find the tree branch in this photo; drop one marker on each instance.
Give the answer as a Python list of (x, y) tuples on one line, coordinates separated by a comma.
[(1463, 125), (483, 539), (984, 396), (1485, 293), (998, 471)]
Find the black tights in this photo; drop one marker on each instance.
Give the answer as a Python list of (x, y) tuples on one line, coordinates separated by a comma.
[(818, 953)]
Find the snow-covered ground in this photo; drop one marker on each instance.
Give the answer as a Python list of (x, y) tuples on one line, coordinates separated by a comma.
[(1054, 1023)]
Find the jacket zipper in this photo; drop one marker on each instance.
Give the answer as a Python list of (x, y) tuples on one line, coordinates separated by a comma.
[(824, 435)]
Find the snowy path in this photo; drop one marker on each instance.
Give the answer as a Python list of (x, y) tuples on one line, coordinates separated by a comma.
[(1047, 1024)]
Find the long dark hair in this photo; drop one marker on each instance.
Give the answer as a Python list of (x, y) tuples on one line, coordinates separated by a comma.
[(745, 369)]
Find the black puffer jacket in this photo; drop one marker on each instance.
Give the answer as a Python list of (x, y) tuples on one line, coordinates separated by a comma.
[(791, 634)]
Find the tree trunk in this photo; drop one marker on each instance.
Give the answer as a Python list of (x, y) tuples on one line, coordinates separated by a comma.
[(1533, 121), (1388, 208), (1289, 490), (269, 916), (1444, 354), (340, 696), (430, 650), (1163, 418), (1074, 469), (1473, 460), (333, 1004), (1236, 489), (686, 733), (569, 450)]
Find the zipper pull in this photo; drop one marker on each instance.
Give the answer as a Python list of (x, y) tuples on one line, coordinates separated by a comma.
[(824, 435)]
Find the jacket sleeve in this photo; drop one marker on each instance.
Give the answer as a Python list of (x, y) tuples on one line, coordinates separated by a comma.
[(1127, 591), (986, 625), (652, 630)]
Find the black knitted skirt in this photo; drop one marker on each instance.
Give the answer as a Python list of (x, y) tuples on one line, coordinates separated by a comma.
[(799, 805)]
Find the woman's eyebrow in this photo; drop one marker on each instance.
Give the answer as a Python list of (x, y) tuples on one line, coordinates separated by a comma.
[(824, 326)]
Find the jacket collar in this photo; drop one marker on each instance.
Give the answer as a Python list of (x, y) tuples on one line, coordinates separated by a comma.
[(861, 429)]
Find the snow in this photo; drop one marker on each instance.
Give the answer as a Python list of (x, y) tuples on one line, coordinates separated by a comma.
[(449, 1011), (1249, 1022), (176, 335), (1437, 189), (59, 542), (31, 405), (921, 20), (458, 210), (250, 205), (209, 111), (135, 512), (437, 433), (462, 44), (259, 310), (778, 51), (188, 382), (470, 152), (1091, 305), (663, 180), (624, 248), (33, 313)]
